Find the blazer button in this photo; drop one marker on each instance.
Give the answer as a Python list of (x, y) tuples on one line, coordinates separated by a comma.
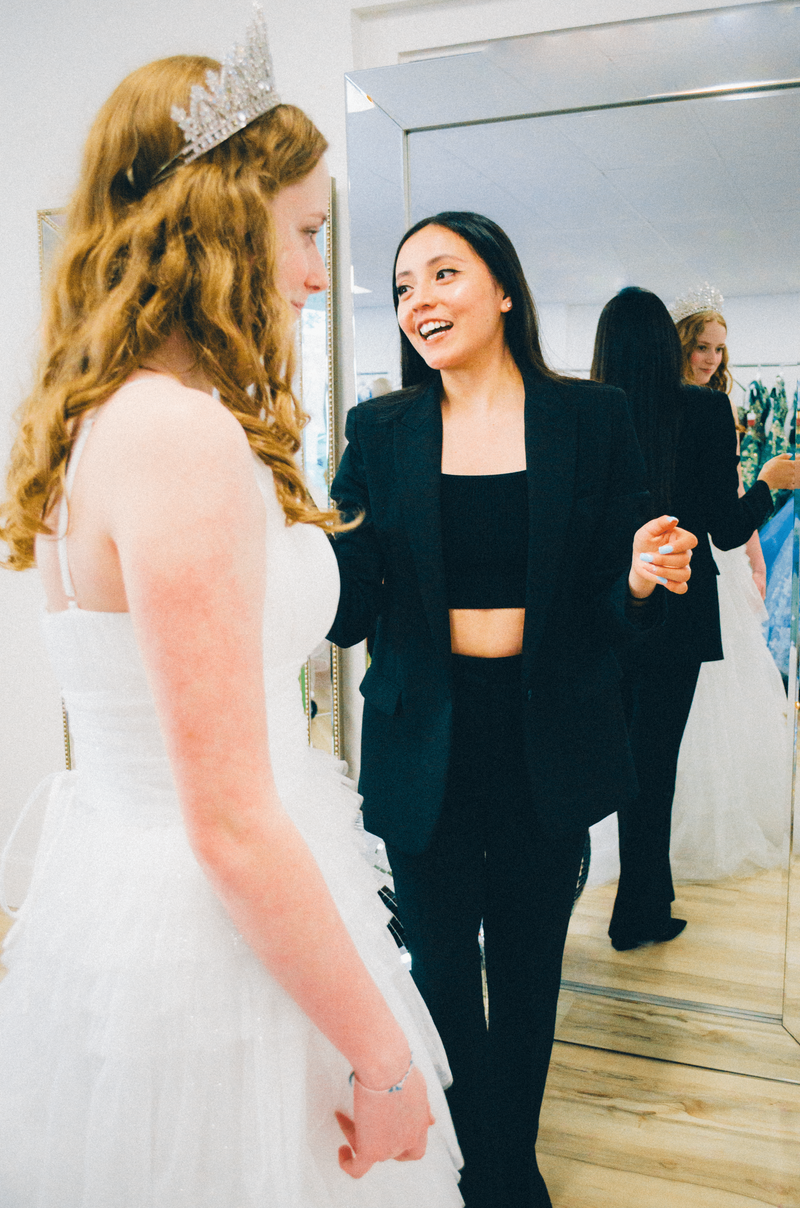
[(529, 694)]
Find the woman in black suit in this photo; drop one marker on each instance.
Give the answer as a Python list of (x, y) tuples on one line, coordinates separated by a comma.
[(494, 566), (688, 438)]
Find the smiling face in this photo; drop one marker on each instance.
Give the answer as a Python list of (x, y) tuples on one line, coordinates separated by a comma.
[(298, 212), (450, 306), (707, 354)]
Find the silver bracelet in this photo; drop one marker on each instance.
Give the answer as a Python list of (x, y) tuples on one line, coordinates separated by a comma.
[(389, 1090)]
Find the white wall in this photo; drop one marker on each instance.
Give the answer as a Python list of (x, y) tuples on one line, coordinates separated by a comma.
[(59, 59), (387, 33), (567, 334), (377, 342), (761, 329)]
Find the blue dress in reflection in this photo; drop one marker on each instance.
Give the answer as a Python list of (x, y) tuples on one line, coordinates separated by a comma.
[(776, 545)]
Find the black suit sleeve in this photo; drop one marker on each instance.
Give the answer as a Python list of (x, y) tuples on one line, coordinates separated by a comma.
[(732, 519), (358, 551)]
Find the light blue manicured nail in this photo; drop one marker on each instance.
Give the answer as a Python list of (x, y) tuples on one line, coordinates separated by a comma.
[(645, 557), (675, 518), (664, 581), (665, 549)]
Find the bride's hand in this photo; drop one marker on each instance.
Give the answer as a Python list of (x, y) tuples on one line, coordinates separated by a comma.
[(760, 580), (661, 554), (385, 1125)]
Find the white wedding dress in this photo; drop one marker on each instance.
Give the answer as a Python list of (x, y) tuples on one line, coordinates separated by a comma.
[(730, 813), (731, 809), (147, 1058)]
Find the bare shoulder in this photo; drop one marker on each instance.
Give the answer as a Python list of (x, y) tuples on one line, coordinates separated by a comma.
[(159, 419), (161, 450)]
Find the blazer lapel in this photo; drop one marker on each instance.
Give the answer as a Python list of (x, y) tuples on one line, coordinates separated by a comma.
[(418, 454), (550, 450)]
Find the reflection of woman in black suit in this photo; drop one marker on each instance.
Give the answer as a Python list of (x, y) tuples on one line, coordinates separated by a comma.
[(500, 503), (688, 439)]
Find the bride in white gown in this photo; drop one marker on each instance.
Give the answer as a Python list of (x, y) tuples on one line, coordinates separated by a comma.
[(730, 814), (202, 959), (731, 809)]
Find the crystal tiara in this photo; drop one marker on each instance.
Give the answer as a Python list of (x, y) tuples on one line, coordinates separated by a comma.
[(707, 297), (234, 97)]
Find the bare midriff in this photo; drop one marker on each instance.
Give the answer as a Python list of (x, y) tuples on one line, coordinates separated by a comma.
[(486, 633)]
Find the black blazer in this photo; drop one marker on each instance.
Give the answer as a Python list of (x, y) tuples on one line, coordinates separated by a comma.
[(586, 493), (706, 502)]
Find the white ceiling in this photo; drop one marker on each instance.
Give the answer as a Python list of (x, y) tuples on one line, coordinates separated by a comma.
[(660, 195)]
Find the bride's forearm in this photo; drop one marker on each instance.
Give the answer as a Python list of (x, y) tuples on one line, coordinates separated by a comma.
[(277, 897), (755, 554), (195, 586)]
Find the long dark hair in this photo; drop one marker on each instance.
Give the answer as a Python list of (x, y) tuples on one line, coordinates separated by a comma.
[(638, 349), (492, 244)]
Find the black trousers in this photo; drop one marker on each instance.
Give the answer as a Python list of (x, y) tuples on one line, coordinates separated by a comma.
[(658, 701), (491, 861)]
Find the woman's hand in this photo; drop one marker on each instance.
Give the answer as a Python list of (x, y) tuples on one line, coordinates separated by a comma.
[(385, 1125), (760, 580), (661, 554), (781, 473)]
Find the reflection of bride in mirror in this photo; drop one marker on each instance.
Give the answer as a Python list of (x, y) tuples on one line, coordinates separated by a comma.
[(688, 438), (730, 812)]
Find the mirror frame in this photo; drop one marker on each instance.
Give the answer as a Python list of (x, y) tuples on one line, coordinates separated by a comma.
[(334, 747), (627, 1021)]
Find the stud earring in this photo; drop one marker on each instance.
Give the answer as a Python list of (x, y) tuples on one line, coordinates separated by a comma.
[(505, 304)]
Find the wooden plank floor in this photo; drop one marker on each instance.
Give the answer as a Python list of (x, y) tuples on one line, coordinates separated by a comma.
[(623, 1131), (731, 953), (629, 1132)]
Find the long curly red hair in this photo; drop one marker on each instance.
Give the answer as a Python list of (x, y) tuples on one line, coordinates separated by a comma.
[(195, 251)]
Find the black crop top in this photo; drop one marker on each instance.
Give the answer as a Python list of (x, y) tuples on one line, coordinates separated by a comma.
[(485, 539)]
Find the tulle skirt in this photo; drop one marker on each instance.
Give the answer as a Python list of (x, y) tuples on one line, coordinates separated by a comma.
[(148, 1059), (730, 813)]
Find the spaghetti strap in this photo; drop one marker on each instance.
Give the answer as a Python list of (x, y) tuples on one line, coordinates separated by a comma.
[(63, 510)]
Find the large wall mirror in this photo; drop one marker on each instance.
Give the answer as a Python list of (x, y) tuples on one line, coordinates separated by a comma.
[(662, 153)]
